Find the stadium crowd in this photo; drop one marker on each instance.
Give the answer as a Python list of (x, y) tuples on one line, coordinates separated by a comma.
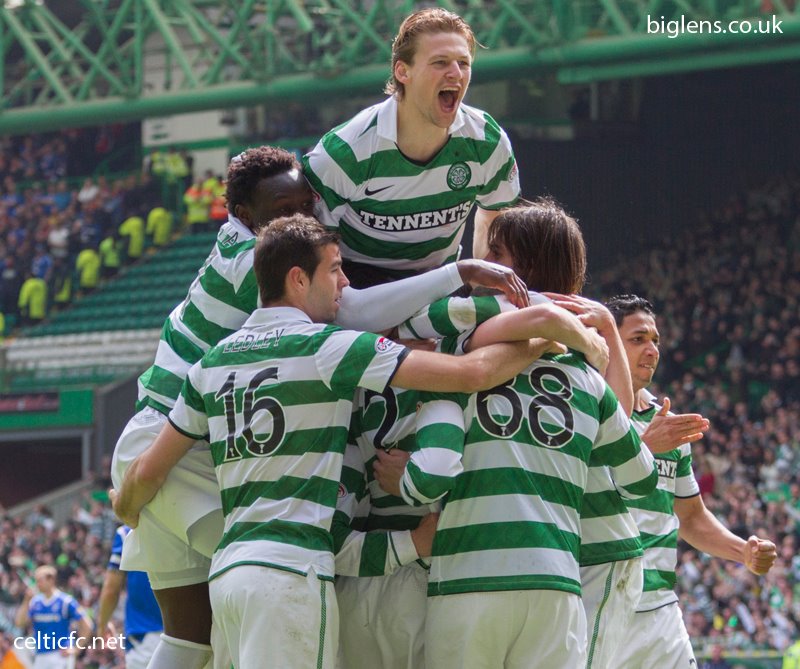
[(728, 291), (58, 240)]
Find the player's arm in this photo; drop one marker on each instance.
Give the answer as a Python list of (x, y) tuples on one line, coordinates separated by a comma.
[(546, 321), (23, 618), (476, 371), (700, 528), (480, 235), (84, 623), (432, 469), (147, 473), (113, 583), (384, 306), (595, 315), (618, 446)]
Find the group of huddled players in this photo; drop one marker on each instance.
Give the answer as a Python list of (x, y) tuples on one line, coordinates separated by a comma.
[(330, 497)]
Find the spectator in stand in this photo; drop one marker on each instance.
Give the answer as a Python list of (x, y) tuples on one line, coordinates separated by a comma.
[(198, 204), (133, 228), (159, 226), (59, 288), (33, 300), (88, 266), (110, 252)]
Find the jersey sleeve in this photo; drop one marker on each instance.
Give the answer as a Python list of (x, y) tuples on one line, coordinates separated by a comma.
[(502, 184), (347, 360), (433, 468), (116, 549), (452, 316), (188, 416), (619, 447), (328, 178), (73, 610), (685, 482), (357, 552)]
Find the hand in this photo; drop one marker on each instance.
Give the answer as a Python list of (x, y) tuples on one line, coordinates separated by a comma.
[(130, 520), (492, 275), (597, 354), (666, 433), (592, 314), (110, 631), (388, 468), (422, 536), (759, 555)]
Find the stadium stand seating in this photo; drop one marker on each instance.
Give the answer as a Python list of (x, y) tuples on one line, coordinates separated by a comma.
[(112, 332)]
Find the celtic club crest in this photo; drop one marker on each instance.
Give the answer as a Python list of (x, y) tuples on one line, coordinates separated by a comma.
[(458, 176)]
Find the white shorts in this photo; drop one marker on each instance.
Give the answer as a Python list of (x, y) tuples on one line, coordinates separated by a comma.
[(610, 593), (670, 648), (181, 526), (382, 619), (519, 629), (275, 619), (140, 652)]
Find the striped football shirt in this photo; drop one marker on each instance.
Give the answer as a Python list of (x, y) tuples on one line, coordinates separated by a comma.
[(275, 400), (395, 213), (223, 294), (513, 463), (371, 528), (655, 516)]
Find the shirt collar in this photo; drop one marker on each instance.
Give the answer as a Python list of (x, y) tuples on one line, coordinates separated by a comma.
[(269, 317), (387, 119), (240, 227)]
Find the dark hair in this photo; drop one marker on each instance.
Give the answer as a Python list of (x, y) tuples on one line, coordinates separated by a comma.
[(621, 306), (546, 243), (290, 241), (247, 170), (431, 20)]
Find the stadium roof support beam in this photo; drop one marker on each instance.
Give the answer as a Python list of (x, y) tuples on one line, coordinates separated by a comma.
[(206, 54), (17, 30)]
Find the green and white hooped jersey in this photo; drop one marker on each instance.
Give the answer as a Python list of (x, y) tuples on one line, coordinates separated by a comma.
[(274, 401), (455, 318), (395, 213), (608, 530), (222, 296), (511, 519), (655, 517), (371, 527)]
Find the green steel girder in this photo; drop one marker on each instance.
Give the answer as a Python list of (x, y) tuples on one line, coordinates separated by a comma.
[(128, 59)]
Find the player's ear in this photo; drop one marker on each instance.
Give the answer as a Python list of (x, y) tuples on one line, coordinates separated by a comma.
[(401, 71), (297, 279)]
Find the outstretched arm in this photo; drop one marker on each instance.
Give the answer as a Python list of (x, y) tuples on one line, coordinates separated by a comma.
[(478, 370), (700, 528), (382, 307)]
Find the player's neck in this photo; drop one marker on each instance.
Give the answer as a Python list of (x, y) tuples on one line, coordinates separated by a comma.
[(417, 138), (641, 401)]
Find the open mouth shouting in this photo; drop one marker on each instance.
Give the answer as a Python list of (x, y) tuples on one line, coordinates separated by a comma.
[(448, 99)]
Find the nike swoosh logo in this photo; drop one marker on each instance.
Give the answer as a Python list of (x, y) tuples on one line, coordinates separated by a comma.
[(369, 192)]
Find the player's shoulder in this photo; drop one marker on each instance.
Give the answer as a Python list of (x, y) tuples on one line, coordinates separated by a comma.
[(480, 124), (359, 130)]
